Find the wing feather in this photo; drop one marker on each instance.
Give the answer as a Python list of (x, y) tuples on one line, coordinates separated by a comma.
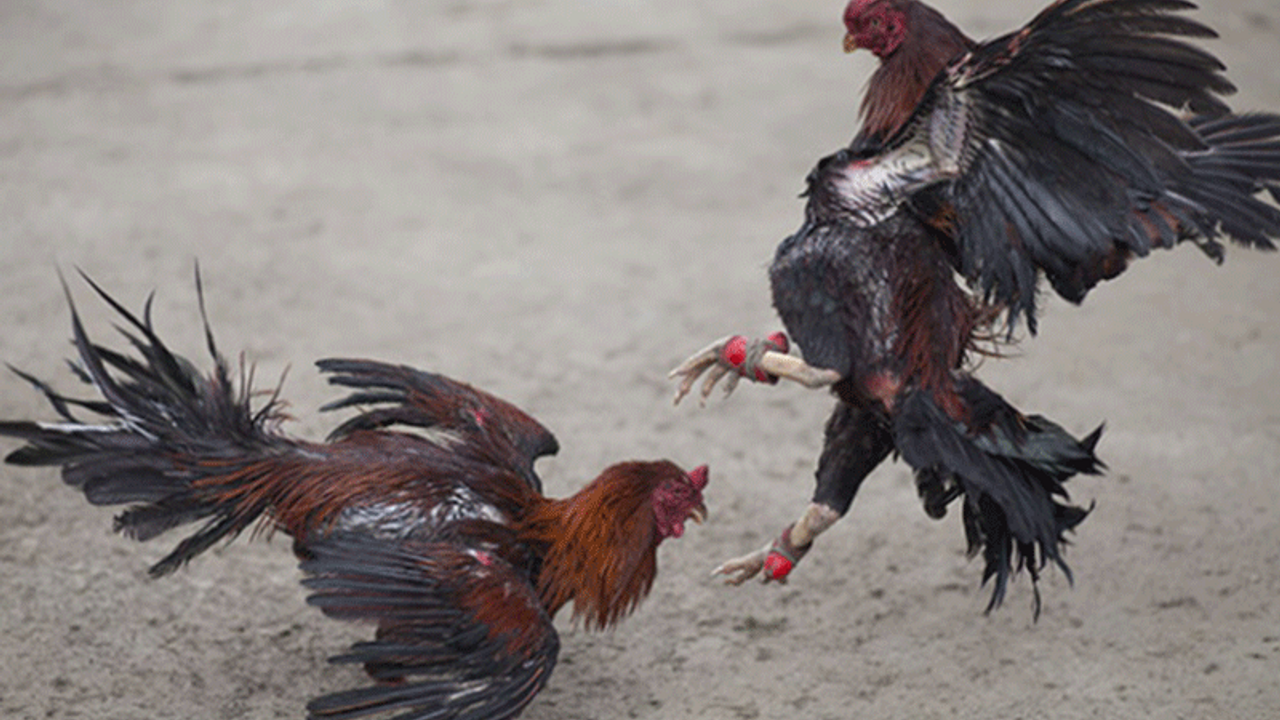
[(406, 396), (461, 634), (1061, 152)]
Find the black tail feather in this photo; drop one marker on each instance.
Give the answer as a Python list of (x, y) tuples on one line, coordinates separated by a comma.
[(1009, 468), (161, 429)]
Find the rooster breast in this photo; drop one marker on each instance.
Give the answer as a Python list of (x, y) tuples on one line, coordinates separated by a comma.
[(832, 287)]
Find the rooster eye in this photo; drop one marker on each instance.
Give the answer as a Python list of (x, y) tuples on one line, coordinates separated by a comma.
[(875, 23)]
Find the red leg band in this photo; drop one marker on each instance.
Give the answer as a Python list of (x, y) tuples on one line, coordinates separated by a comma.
[(743, 355), (780, 342), (783, 556), (777, 566), (735, 352)]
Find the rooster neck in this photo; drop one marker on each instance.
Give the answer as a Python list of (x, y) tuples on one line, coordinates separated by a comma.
[(598, 549), (899, 84)]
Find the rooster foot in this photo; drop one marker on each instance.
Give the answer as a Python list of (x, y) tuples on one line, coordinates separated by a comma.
[(741, 569), (730, 359), (776, 560)]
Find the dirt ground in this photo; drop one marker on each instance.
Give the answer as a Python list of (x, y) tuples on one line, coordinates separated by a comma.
[(558, 201)]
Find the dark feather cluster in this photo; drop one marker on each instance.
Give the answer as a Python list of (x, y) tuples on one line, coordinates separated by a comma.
[(205, 426), (435, 608), (1060, 151), (409, 397), (1010, 470)]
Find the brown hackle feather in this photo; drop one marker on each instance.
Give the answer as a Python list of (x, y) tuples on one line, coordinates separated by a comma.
[(600, 544), (898, 84)]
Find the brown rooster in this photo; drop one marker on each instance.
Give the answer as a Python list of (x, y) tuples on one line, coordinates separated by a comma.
[(1050, 151), (422, 514)]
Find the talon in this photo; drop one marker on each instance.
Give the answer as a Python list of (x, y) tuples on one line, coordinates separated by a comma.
[(730, 384), (693, 368), (741, 569), (683, 389), (735, 357), (713, 376)]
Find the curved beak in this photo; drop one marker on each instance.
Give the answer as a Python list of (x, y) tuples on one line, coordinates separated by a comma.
[(698, 477), (698, 513), (850, 43)]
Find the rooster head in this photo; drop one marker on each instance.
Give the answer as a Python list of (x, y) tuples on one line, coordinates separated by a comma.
[(875, 25), (677, 498), (601, 544)]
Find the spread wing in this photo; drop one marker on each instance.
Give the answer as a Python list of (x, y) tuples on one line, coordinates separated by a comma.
[(434, 402), (1059, 152), (461, 633)]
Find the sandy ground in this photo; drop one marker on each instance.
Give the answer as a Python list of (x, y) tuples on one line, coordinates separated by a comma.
[(557, 201)]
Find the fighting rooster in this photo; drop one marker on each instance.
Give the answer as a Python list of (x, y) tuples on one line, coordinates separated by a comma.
[(422, 514), (1050, 152)]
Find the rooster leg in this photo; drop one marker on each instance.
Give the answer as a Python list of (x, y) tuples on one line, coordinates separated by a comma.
[(779, 557), (797, 370), (734, 357)]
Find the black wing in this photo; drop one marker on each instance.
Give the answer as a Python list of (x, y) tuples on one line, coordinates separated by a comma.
[(435, 402), (1060, 153), (461, 634)]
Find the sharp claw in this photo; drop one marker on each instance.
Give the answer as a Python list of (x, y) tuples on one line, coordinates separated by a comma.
[(706, 359), (678, 370), (706, 355), (734, 576), (714, 374), (731, 383), (690, 378), (709, 366), (685, 386), (692, 363)]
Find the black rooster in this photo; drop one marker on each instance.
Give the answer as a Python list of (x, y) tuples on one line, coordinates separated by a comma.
[(1045, 152)]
